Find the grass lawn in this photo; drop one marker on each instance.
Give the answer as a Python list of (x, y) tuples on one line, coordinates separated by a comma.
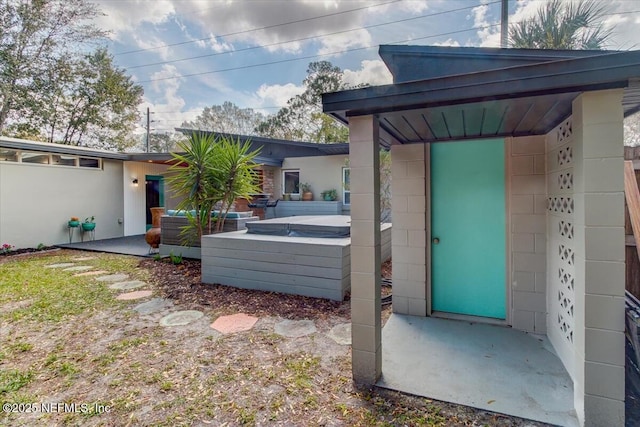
[(65, 339)]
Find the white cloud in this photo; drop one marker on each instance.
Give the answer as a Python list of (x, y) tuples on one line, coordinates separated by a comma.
[(276, 95), (345, 41), (448, 42), (126, 16), (372, 72)]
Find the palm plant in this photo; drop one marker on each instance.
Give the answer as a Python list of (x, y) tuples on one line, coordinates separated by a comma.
[(563, 25), (211, 170)]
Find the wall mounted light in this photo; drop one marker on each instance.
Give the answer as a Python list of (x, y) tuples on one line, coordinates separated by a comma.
[(135, 182)]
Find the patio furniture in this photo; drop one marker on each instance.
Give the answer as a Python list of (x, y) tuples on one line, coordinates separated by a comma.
[(263, 204)]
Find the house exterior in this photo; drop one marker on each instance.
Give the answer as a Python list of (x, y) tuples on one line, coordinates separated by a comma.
[(508, 202), (43, 185)]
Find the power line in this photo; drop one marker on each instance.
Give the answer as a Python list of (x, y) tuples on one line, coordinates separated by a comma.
[(300, 58), (307, 38), (235, 33)]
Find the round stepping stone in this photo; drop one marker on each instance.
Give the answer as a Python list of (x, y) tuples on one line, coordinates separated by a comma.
[(295, 328), (84, 258), (113, 278), (153, 306), (78, 268), (134, 295), (181, 318), (91, 273), (60, 265), (341, 334), (125, 286), (239, 322)]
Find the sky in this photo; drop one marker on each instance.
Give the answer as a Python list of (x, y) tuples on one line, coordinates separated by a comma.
[(190, 54)]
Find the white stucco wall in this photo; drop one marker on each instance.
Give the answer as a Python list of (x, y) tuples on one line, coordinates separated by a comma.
[(134, 197), (322, 172), (36, 201)]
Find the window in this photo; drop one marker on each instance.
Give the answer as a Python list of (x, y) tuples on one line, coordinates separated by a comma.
[(62, 160), (290, 181), (346, 189), (35, 158), (86, 162), (7, 155)]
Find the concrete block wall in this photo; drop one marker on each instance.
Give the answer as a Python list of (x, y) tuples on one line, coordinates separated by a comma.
[(527, 215), (599, 342), (409, 234)]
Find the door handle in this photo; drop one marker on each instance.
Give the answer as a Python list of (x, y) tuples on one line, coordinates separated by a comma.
[(436, 240)]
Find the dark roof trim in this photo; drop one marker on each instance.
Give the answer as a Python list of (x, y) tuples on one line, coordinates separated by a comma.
[(607, 71), (22, 144), (286, 148)]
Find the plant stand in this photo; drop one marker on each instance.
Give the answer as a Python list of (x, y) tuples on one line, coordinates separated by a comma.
[(71, 228), (91, 236)]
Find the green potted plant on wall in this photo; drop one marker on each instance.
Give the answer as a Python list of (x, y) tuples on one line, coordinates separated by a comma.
[(305, 189), (330, 195), (89, 223)]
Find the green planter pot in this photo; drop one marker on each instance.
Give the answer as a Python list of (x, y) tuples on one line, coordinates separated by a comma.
[(88, 226), (73, 223)]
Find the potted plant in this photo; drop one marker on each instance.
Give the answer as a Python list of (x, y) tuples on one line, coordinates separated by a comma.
[(89, 224), (74, 222), (305, 189), (330, 195), (286, 197)]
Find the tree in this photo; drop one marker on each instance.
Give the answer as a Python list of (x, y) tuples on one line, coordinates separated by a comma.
[(227, 118), (558, 25), (303, 118), (211, 171), (35, 36)]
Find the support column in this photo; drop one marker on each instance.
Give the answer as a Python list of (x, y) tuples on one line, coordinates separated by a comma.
[(366, 326), (599, 342)]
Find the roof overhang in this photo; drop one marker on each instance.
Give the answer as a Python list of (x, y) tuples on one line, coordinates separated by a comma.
[(519, 100), (22, 144)]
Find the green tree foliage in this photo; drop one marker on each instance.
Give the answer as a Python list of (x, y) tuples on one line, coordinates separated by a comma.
[(302, 119), (563, 25), (227, 118), (34, 37), (210, 171)]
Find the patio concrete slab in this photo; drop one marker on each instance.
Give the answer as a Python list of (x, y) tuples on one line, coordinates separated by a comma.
[(341, 334), (128, 245), (60, 265), (91, 273), (295, 328), (238, 322), (483, 366), (125, 286), (181, 318), (134, 295), (78, 268), (118, 277), (153, 306)]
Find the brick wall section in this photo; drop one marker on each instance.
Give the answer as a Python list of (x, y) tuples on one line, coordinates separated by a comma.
[(527, 210), (409, 233), (268, 181)]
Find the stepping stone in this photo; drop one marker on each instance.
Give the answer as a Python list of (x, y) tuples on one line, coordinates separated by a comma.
[(153, 306), (78, 268), (113, 278), (83, 258), (295, 328), (60, 265), (341, 334), (181, 318), (91, 273), (125, 286), (134, 295), (239, 322)]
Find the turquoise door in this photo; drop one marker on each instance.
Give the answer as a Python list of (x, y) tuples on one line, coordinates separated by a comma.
[(468, 231)]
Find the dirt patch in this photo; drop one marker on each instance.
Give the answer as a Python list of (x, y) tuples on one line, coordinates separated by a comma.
[(147, 374)]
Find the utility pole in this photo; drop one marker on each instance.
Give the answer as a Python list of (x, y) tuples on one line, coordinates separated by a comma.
[(148, 127), (504, 25)]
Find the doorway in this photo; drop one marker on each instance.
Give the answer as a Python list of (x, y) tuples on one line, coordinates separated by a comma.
[(154, 195), (468, 228)]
